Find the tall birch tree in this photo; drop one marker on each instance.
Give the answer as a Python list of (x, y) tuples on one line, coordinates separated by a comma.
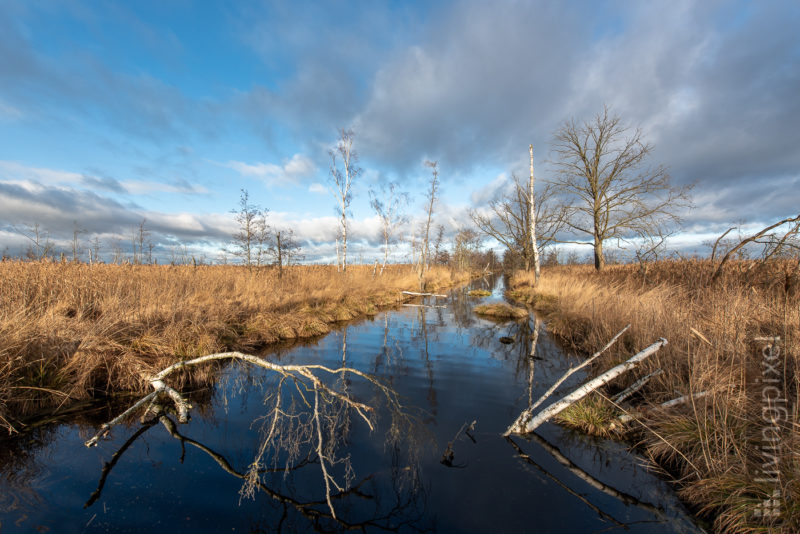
[(344, 170)]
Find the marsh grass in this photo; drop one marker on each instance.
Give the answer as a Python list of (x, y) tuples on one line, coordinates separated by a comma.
[(712, 445), (592, 415), (479, 293), (73, 331), (501, 310)]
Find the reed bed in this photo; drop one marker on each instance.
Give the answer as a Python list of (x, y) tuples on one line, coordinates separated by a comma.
[(734, 453), (71, 331)]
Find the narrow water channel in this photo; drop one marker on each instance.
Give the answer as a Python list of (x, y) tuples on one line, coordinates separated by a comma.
[(424, 467)]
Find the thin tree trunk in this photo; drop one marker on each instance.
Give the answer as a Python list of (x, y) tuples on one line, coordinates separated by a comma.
[(532, 217), (280, 255), (344, 240)]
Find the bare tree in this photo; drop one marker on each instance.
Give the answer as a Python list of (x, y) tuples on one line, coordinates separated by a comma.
[(467, 244), (388, 207), (431, 197), (76, 231), (609, 191), (94, 250), (252, 227), (342, 180), (507, 219), (141, 235), (282, 248), (40, 239), (774, 243)]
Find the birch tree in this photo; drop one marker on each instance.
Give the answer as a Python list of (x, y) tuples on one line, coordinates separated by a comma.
[(507, 219), (387, 206), (252, 227), (344, 170), (610, 191), (431, 197)]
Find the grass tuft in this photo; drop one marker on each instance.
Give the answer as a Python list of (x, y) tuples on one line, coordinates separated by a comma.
[(501, 310)]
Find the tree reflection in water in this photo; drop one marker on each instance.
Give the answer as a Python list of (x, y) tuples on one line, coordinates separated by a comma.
[(308, 423)]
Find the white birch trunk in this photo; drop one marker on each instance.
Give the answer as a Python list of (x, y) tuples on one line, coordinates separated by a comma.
[(532, 215), (589, 387)]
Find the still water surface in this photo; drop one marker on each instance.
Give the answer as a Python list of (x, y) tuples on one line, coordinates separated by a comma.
[(448, 368)]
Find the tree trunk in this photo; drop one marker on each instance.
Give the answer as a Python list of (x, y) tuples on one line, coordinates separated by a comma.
[(599, 260), (344, 240), (589, 387), (280, 255), (532, 217)]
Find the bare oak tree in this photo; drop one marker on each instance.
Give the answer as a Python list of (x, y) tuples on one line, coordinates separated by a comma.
[(342, 180), (609, 191), (387, 206)]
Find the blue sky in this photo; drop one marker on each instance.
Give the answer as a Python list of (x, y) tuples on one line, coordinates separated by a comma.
[(115, 112)]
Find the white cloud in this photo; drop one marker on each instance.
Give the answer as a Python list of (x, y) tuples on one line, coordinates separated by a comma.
[(317, 188), (289, 172), (12, 171), (141, 188)]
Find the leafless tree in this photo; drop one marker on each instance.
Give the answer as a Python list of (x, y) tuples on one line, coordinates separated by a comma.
[(775, 244), (507, 219), (609, 191), (430, 200), (252, 228), (141, 235), (342, 180), (387, 206), (283, 248), (76, 231), (467, 245), (40, 239)]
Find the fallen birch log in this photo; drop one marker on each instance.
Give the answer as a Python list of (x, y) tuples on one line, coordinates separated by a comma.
[(636, 386), (519, 427), (526, 415), (627, 417), (415, 294), (422, 306)]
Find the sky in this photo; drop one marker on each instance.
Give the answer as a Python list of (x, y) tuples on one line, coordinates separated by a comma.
[(116, 112)]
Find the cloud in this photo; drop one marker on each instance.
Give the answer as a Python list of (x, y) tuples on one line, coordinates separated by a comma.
[(14, 171), (9, 112), (317, 188), (289, 172)]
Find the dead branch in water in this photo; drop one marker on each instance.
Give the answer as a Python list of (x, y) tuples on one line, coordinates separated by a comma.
[(286, 428)]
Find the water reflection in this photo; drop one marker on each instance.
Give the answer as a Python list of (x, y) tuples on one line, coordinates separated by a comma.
[(434, 461)]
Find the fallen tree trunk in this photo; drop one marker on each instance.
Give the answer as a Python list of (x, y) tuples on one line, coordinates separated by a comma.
[(415, 294), (521, 428), (636, 386), (627, 417), (526, 415)]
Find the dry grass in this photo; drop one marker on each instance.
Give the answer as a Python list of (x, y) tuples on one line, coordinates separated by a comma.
[(479, 293), (715, 445), (72, 331), (501, 310)]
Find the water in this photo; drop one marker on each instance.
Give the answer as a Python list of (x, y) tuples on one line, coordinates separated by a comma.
[(448, 369)]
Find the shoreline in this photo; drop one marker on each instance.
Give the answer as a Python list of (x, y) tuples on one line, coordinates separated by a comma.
[(713, 447), (71, 331)]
